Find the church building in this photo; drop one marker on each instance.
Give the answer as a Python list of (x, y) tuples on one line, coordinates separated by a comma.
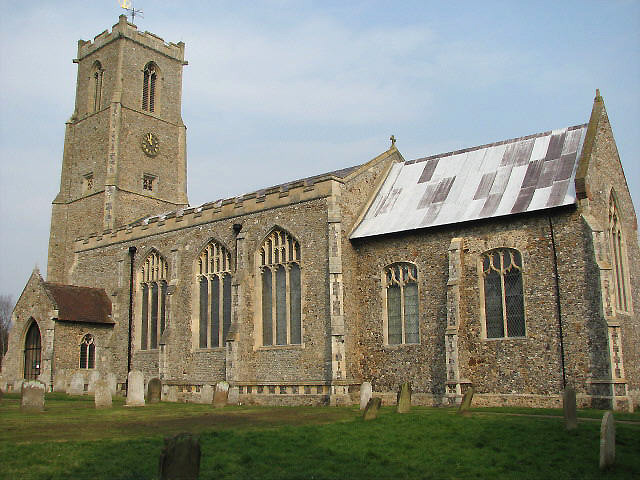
[(511, 267)]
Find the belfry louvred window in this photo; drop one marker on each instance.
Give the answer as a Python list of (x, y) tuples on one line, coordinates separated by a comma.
[(401, 287), (96, 89), (87, 352), (503, 293), (149, 87), (154, 295), (214, 286), (280, 289)]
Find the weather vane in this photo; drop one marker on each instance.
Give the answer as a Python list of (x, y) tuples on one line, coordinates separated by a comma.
[(128, 6)]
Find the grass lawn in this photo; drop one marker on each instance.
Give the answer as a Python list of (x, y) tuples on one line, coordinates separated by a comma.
[(72, 440)]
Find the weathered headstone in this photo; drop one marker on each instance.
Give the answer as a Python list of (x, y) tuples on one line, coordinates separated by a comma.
[(102, 393), (1, 394), (180, 458), (76, 386), (60, 381), (135, 392), (172, 394), (404, 398), (465, 405), (112, 381), (365, 394), (372, 408), (32, 396), (607, 441), (221, 395), (154, 390), (17, 385), (570, 408), (93, 378), (206, 394), (234, 396)]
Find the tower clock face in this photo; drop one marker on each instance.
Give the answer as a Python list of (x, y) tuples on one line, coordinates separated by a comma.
[(150, 144)]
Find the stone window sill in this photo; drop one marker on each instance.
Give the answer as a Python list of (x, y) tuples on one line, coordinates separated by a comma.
[(397, 346), (297, 346), (209, 350), (504, 338)]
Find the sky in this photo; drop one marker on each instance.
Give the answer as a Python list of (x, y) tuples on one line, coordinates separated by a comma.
[(280, 90)]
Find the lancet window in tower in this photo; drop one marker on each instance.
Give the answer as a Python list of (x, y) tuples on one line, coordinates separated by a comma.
[(401, 288), (618, 257), (97, 74), (280, 289), (154, 295), (149, 87), (87, 352), (503, 293), (213, 278)]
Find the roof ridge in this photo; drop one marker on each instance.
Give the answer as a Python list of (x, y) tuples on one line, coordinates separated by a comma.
[(494, 144)]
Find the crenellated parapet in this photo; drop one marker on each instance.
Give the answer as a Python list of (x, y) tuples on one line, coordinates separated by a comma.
[(261, 200), (130, 31)]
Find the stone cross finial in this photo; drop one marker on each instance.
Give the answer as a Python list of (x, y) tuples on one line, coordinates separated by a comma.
[(393, 140)]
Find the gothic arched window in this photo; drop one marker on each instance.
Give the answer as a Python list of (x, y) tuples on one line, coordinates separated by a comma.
[(32, 352), (214, 286), (149, 87), (279, 259), (154, 295), (618, 257), (87, 352), (401, 291), (95, 100), (503, 293)]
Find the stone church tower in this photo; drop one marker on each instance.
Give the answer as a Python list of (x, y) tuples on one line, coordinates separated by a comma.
[(125, 144)]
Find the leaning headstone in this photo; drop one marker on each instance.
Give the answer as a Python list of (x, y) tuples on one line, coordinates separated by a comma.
[(32, 396), (93, 378), (60, 382), (570, 408), (180, 458), (154, 390), (102, 393), (206, 394), (404, 398), (76, 387), (607, 441), (135, 392), (234, 396), (365, 394), (221, 395), (372, 408), (465, 405), (112, 380)]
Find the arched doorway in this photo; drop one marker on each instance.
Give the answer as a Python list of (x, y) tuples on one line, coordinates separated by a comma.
[(32, 349)]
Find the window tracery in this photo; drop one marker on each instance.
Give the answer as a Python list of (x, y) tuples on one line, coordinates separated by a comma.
[(87, 352), (214, 286), (97, 75), (618, 257), (401, 288), (149, 87), (503, 293), (280, 289), (154, 294)]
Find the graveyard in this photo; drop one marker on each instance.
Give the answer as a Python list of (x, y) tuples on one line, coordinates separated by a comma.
[(71, 438)]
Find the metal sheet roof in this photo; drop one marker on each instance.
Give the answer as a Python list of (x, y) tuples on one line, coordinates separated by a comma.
[(503, 178)]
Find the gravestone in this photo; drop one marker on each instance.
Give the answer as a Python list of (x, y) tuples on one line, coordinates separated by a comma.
[(365, 394), (17, 385), (465, 405), (93, 378), (234, 396), (1, 395), (607, 441), (135, 392), (112, 381), (206, 394), (154, 390), (102, 393), (32, 396), (221, 395), (372, 408), (404, 398), (180, 458), (60, 381), (172, 394), (76, 386), (570, 409)]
